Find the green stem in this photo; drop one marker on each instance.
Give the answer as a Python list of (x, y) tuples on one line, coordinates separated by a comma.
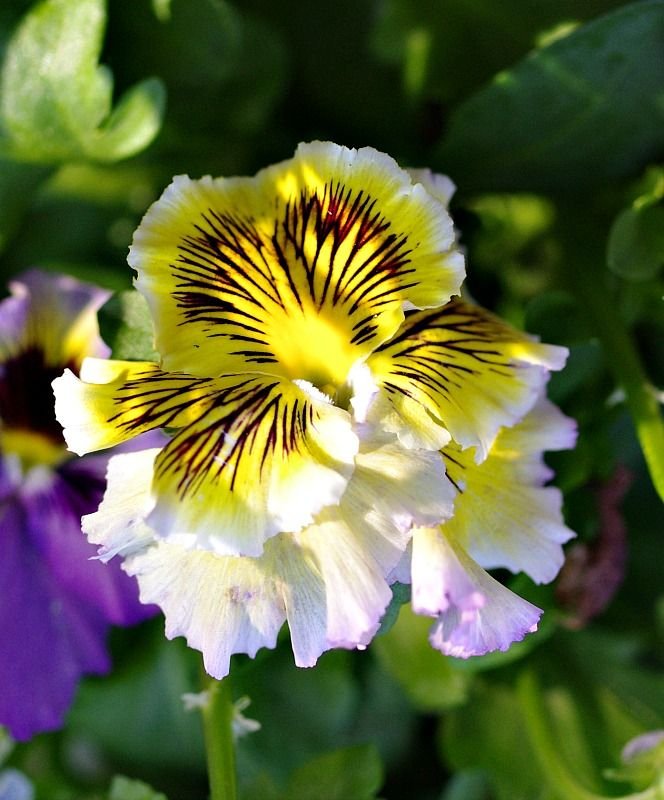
[(219, 742), (561, 782), (588, 277)]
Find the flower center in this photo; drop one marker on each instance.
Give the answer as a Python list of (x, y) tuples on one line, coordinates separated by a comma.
[(309, 346), (32, 448), (28, 427)]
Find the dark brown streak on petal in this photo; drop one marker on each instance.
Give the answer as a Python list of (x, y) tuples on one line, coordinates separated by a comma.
[(220, 446)]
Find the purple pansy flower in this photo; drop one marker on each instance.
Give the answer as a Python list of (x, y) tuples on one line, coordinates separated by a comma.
[(57, 603)]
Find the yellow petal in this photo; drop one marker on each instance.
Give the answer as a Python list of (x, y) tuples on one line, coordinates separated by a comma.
[(464, 369), (116, 400), (300, 271), (504, 516), (265, 457)]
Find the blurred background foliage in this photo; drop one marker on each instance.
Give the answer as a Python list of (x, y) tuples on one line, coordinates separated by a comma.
[(549, 117)]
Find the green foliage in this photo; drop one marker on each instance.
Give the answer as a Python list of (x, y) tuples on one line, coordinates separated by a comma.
[(138, 715), (125, 789), (126, 327), (56, 99), (635, 249), (431, 681), (351, 774), (585, 110)]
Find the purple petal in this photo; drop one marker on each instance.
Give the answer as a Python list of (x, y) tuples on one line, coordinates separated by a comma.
[(54, 521), (58, 603), (49, 637), (38, 296)]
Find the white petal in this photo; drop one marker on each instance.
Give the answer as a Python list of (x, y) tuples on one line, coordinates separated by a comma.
[(504, 517), (392, 489), (118, 525), (355, 592), (439, 186), (221, 604), (475, 613)]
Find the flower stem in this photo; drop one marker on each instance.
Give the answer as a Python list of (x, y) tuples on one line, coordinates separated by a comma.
[(219, 742), (588, 278)]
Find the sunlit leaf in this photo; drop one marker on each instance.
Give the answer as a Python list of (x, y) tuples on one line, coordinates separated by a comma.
[(126, 326), (585, 110), (56, 100), (429, 678)]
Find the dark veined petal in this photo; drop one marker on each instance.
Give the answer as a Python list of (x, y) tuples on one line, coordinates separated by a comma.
[(265, 458), (253, 454), (461, 369), (300, 271), (114, 401)]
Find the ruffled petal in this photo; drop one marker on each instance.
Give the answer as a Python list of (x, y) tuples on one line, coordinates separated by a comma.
[(118, 526), (265, 458), (221, 604), (394, 488), (319, 580), (336, 591), (324, 580), (299, 271), (114, 401), (439, 186), (475, 614), (255, 455), (503, 516), (466, 370)]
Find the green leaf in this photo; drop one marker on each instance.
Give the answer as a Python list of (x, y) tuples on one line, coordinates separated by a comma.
[(467, 43), (487, 733), (429, 679), (326, 699), (636, 243), (137, 716), (354, 773), (579, 113), (56, 102), (400, 595), (124, 789), (126, 327), (546, 310)]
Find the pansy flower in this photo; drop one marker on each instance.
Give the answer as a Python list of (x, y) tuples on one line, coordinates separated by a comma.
[(56, 604), (313, 363)]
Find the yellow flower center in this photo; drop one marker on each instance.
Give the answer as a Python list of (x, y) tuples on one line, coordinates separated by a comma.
[(311, 347), (32, 448)]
